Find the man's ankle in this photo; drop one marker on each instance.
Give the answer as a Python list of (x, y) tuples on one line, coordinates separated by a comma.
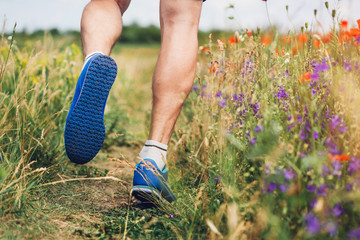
[(156, 151), (90, 55)]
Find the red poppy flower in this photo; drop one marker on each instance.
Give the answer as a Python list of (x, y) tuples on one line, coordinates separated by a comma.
[(303, 38), (305, 77), (266, 40), (355, 32), (344, 24), (317, 43), (340, 158)]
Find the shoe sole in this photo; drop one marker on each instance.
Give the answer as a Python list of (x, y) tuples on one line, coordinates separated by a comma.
[(85, 129), (148, 194)]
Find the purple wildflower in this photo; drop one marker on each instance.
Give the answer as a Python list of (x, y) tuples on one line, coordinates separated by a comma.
[(282, 187), (272, 187), (315, 76), (242, 97), (217, 179), (336, 122), (331, 228), (337, 210), (354, 165), (235, 97), (299, 119), (222, 103), (267, 169), (307, 126), (321, 191), (290, 126), (219, 94), (343, 129), (303, 134), (248, 134), (252, 141), (247, 68), (332, 148), (348, 66), (220, 71), (325, 170), (258, 128), (195, 88), (281, 94), (311, 188), (256, 108), (336, 168), (289, 174), (312, 224), (349, 187), (316, 117), (354, 234), (321, 67), (312, 203), (316, 135)]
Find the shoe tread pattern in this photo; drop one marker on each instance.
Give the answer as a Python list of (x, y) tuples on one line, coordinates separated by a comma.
[(85, 129)]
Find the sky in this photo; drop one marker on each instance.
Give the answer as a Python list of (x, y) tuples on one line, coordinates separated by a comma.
[(247, 14)]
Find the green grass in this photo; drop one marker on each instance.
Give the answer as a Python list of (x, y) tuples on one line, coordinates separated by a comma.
[(238, 133)]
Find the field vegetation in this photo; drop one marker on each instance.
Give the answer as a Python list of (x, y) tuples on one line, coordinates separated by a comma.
[(266, 147)]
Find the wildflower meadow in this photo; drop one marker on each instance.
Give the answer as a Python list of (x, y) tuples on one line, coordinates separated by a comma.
[(267, 145)]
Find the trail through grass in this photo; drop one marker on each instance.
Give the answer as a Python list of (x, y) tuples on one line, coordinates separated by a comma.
[(266, 146), (78, 209)]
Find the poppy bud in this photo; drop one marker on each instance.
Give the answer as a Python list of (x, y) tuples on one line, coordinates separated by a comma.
[(327, 5), (333, 13), (306, 25), (315, 12), (287, 7)]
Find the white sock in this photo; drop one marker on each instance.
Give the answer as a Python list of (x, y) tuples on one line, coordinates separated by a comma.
[(155, 151), (90, 55)]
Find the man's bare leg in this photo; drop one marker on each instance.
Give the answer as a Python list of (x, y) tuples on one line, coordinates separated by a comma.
[(175, 70), (174, 73), (101, 25), (172, 82)]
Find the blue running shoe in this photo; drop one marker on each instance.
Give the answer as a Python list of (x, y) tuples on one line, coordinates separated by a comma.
[(150, 184), (85, 129)]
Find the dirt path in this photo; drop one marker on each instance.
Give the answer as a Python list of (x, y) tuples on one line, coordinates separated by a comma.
[(87, 208)]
